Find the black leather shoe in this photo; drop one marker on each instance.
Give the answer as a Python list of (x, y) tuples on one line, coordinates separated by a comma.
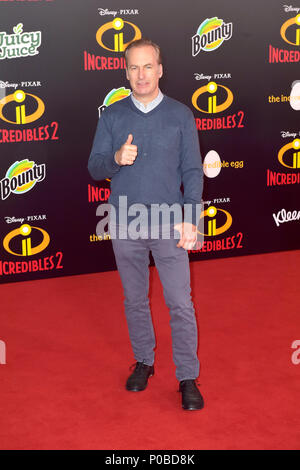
[(191, 397), (138, 380)]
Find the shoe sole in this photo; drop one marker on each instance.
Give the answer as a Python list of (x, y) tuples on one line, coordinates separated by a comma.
[(135, 389), (192, 408)]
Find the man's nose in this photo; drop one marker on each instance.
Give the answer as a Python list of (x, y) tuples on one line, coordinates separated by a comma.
[(141, 73)]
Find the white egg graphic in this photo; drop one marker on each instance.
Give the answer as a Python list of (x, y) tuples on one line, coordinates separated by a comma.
[(295, 95), (212, 164)]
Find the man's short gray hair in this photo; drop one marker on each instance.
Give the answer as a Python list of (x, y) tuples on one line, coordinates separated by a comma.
[(143, 42)]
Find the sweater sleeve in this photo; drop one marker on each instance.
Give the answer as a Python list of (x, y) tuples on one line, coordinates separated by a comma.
[(191, 171), (102, 163)]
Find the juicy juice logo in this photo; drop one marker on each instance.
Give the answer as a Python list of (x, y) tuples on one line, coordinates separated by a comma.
[(210, 35), (19, 44), (113, 96)]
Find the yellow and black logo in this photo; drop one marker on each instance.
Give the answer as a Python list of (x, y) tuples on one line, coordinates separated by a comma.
[(21, 240), (118, 25), (283, 30), (209, 103), (17, 113), (294, 157), (224, 219)]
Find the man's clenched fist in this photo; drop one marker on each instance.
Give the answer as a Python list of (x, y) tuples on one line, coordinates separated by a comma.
[(126, 155), (188, 235)]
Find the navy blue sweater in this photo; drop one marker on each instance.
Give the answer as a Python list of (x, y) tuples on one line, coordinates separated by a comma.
[(168, 154)]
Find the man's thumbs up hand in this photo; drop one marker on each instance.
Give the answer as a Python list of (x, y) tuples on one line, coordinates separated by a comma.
[(129, 139), (126, 154)]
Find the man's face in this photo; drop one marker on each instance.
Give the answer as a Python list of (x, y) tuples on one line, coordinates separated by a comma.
[(143, 72)]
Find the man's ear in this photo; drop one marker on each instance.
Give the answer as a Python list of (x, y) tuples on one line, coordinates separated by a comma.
[(127, 73), (160, 70)]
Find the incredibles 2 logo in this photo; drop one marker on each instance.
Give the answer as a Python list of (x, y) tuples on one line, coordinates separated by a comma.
[(116, 43), (216, 222), (292, 149), (27, 241), (211, 213), (113, 36), (212, 107), (214, 98), (290, 33), (21, 108), (25, 246), (290, 24), (20, 117), (289, 157)]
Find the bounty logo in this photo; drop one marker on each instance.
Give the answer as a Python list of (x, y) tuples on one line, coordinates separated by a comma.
[(294, 158), (21, 177), (224, 219), (18, 112), (119, 26), (210, 35), (116, 94), (289, 24), (19, 44)]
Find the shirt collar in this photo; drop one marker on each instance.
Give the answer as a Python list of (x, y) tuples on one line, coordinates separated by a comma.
[(149, 106)]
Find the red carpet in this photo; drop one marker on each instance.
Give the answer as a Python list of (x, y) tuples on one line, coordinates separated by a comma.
[(68, 355)]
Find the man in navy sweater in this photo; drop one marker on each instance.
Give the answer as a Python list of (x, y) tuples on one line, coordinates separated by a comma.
[(148, 145)]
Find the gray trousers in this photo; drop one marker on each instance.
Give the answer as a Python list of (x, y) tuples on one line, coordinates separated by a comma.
[(172, 263)]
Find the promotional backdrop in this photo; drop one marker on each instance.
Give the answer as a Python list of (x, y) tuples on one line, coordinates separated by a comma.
[(234, 64)]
